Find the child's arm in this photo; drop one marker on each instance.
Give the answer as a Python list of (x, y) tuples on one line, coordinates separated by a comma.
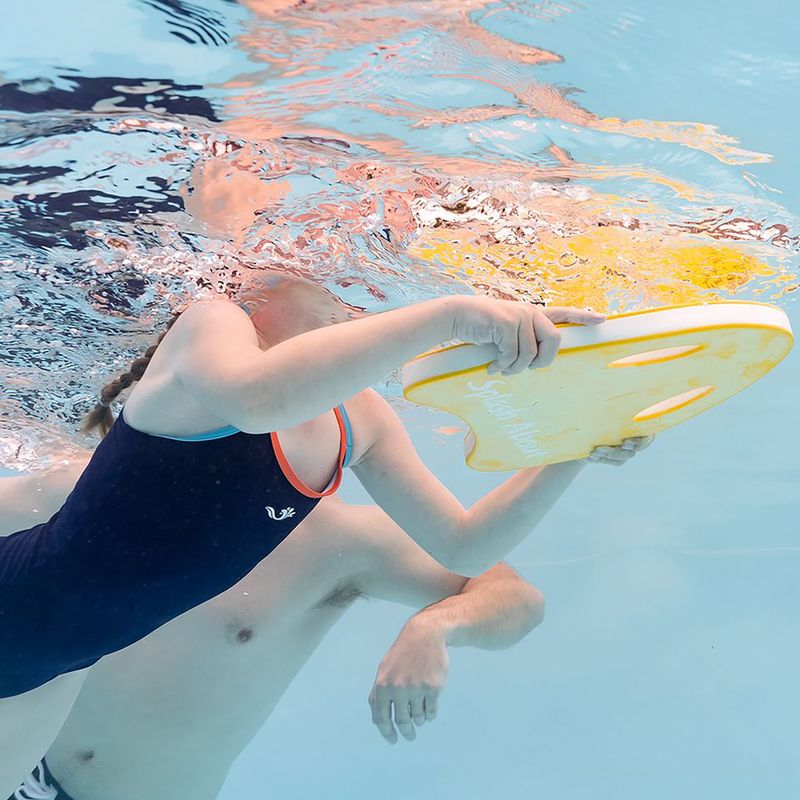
[(467, 541), (219, 362)]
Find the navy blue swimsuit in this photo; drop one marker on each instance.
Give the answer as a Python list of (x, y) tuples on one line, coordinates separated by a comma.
[(154, 527)]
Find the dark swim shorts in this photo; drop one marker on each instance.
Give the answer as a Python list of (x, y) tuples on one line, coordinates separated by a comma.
[(40, 785)]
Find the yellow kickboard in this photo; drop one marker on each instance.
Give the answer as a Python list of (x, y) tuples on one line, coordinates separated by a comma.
[(633, 375)]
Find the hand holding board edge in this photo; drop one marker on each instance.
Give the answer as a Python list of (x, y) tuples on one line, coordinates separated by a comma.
[(635, 374)]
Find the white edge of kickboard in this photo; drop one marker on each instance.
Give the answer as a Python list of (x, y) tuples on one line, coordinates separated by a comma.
[(633, 326)]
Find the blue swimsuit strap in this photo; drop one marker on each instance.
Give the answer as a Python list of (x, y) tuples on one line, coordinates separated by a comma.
[(348, 434), (229, 430)]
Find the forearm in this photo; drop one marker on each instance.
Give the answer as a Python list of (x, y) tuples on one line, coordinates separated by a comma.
[(493, 611), (500, 520), (308, 374)]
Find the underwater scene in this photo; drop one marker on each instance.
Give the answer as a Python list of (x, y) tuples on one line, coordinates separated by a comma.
[(615, 155)]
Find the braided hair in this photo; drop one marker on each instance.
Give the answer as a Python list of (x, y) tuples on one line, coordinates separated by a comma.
[(100, 416)]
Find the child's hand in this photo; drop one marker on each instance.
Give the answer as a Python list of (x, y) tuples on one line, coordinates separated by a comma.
[(618, 454)]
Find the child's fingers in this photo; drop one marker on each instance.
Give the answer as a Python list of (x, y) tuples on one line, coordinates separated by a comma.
[(610, 461), (619, 453), (579, 316), (613, 453), (637, 443)]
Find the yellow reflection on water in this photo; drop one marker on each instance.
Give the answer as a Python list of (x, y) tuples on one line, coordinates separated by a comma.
[(610, 268)]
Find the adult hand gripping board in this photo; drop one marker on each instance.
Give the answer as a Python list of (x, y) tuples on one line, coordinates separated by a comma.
[(633, 375)]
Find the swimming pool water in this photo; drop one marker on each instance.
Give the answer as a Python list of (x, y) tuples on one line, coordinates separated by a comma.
[(144, 163)]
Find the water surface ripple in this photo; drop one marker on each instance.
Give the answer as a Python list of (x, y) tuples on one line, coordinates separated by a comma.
[(163, 150)]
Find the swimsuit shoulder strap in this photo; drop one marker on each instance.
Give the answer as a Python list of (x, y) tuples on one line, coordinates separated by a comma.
[(348, 435)]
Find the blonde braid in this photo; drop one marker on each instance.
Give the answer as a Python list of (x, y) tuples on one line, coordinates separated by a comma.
[(100, 416)]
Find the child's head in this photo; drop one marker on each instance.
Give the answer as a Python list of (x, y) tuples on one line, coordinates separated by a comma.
[(283, 305)]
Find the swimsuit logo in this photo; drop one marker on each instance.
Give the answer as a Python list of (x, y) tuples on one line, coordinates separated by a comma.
[(285, 513)]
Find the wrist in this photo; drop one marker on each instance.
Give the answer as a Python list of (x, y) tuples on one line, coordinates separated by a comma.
[(560, 467), (428, 625), (574, 466), (449, 309)]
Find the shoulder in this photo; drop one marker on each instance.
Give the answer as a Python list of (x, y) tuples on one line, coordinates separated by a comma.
[(208, 335), (201, 324), (202, 315), (191, 364)]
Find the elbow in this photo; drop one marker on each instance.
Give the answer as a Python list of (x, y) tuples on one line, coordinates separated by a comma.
[(459, 558), (528, 611), (530, 599), (459, 555), (534, 606)]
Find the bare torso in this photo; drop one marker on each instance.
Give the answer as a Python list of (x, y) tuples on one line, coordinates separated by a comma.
[(167, 716)]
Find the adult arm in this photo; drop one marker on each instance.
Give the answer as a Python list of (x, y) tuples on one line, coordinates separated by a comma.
[(29, 499), (491, 611)]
